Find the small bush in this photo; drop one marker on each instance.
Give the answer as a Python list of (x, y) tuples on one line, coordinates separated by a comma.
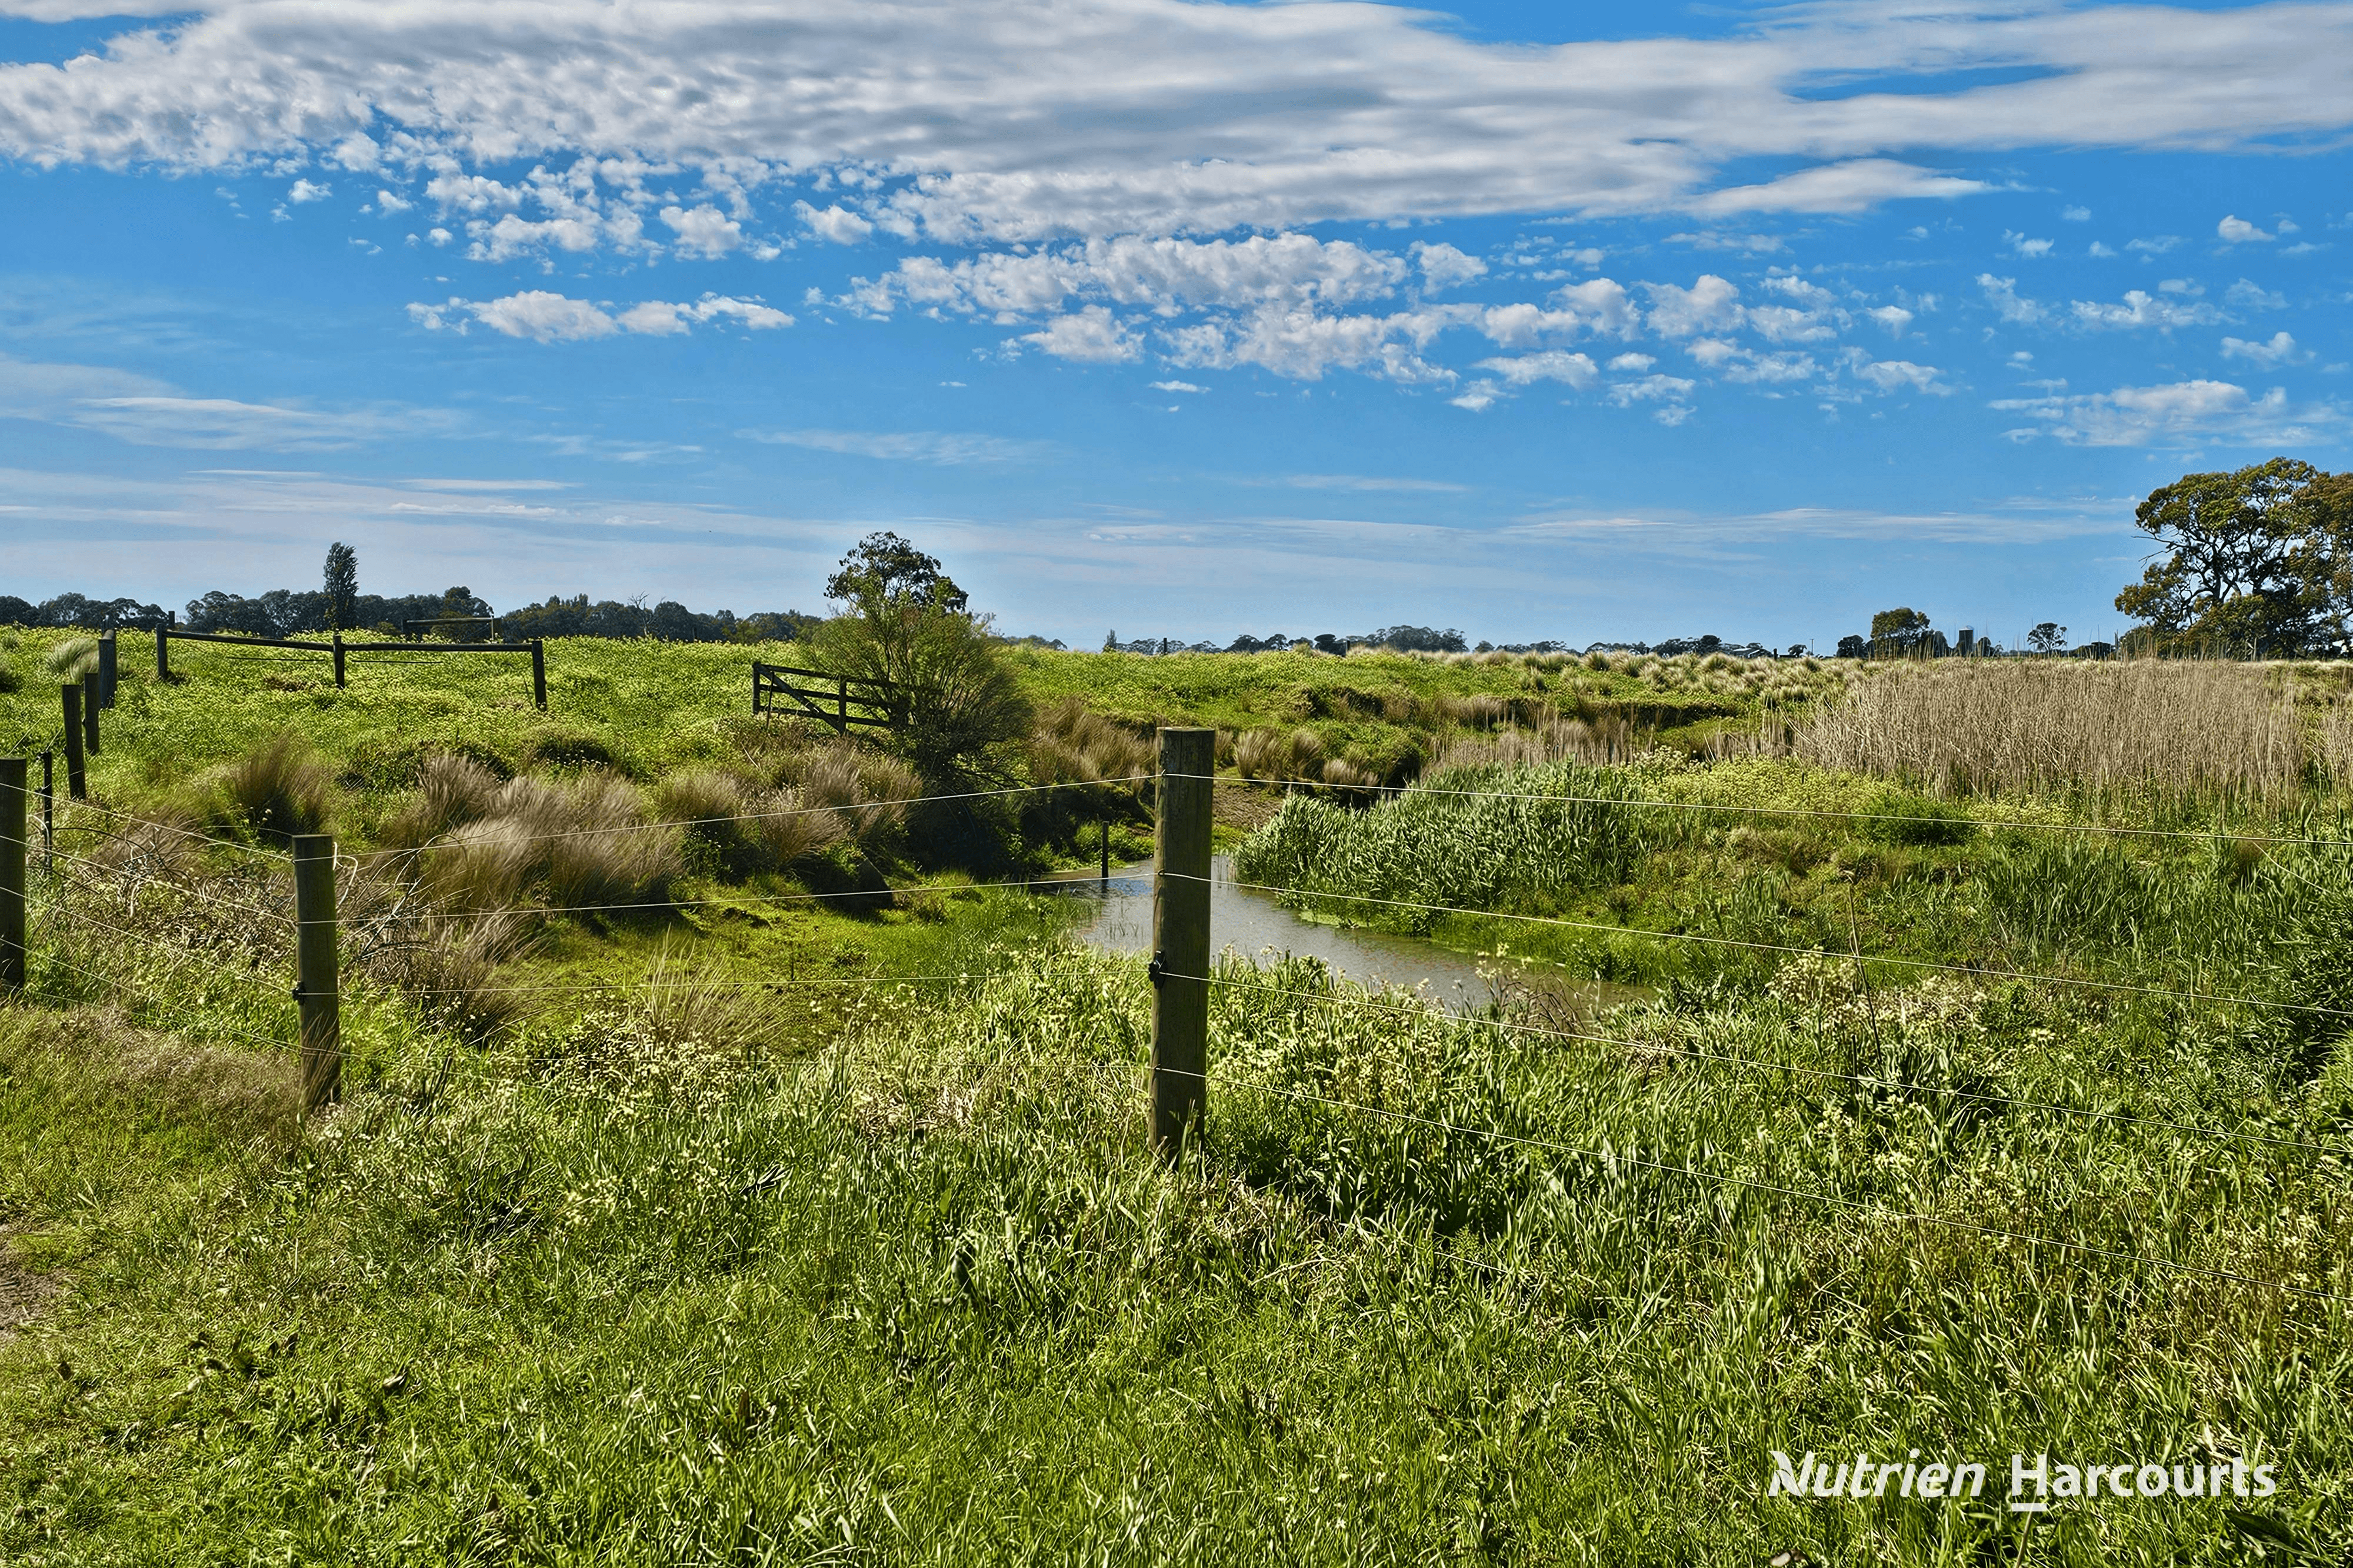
[(451, 791)]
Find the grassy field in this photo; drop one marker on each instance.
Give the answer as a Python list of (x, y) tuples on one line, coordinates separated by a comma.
[(823, 1230)]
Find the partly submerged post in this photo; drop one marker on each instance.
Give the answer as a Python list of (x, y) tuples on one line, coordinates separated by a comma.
[(16, 835), (316, 987), (76, 773), (1181, 940)]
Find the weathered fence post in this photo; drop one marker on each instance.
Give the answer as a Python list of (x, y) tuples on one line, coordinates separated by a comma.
[(317, 989), (90, 695), (48, 810), (339, 660), (1180, 941), (842, 706), (106, 668), (76, 774), (538, 674), (163, 650), (15, 832)]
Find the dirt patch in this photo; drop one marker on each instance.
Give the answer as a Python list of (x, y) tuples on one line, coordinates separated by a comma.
[(24, 1295)]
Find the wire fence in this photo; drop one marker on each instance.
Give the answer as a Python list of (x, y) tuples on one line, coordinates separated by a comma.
[(88, 874)]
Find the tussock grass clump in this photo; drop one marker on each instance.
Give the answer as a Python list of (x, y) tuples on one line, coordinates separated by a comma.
[(72, 658), (1979, 727), (584, 844), (279, 789)]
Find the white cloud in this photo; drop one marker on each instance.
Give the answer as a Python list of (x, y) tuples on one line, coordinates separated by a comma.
[(2142, 309), (703, 231), (2099, 249), (835, 223), (1478, 397), (1303, 345), (2239, 231), (1895, 374), (909, 446), (997, 120), (1091, 336), (303, 191), (1649, 389), (2188, 286), (2077, 215), (2002, 294), (146, 412), (389, 201), (2156, 246), (1636, 363), (1553, 364), (1709, 305), (1177, 386), (1768, 368), (1895, 318), (551, 318), (2248, 295), (1165, 275), (2020, 245), (1444, 267), (2281, 350), (2186, 413), (1781, 325)]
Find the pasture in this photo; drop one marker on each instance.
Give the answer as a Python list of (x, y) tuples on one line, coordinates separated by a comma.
[(708, 1186)]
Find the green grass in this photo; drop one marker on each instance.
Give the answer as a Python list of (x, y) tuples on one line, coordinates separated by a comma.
[(815, 1234)]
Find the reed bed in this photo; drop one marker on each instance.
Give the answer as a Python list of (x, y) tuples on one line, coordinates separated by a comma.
[(1978, 728)]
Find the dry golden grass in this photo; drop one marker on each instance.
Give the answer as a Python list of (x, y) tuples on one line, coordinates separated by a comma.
[(1985, 727)]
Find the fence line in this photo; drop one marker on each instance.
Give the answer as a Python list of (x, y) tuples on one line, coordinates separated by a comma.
[(253, 910), (149, 1001), (1866, 1210), (2344, 843), (1804, 951), (1867, 1081), (206, 839)]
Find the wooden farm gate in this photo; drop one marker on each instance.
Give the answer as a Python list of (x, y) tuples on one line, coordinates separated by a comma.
[(843, 703)]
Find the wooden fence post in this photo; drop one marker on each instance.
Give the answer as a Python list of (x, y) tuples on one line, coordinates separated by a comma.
[(15, 834), (163, 650), (90, 695), (48, 810), (76, 774), (539, 673), (317, 989), (339, 660), (1180, 941), (106, 668)]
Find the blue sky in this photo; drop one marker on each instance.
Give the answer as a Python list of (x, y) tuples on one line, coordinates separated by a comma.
[(1185, 319)]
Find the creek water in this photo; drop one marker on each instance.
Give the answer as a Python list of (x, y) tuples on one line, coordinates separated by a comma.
[(1252, 925)]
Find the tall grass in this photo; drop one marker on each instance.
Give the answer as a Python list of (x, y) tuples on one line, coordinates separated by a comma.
[(2048, 725)]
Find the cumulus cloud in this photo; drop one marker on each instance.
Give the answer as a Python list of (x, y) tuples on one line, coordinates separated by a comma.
[(1709, 305), (2020, 245), (1001, 120), (547, 317), (1092, 335), (2184, 412), (302, 191), (2248, 295), (2142, 309), (2281, 350), (703, 231), (1177, 386), (2239, 231), (835, 223), (1895, 318), (1165, 275), (1896, 375), (1444, 267), (1553, 364)]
